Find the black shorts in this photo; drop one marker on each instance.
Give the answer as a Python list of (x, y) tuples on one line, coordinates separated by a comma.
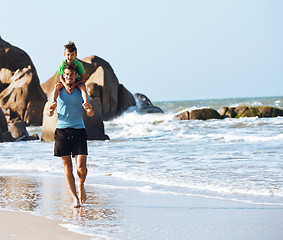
[(70, 141)]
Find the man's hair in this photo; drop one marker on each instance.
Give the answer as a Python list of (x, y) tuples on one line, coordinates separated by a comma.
[(71, 66), (71, 47)]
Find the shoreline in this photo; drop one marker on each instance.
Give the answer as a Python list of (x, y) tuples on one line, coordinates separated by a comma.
[(127, 213)]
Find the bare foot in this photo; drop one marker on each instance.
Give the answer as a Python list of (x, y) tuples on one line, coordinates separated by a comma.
[(76, 203), (82, 194)]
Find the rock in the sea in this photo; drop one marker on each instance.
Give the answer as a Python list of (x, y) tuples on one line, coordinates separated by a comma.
[(256, 111), (182, 116), (232, 112), (19, 132), (145, 105), (20, 93), (5, 136), (222, 111), (204, 114), (16, 132)]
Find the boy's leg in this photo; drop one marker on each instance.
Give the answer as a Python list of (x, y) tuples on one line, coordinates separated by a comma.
[(82, 87), (70, 179), (57, 88), (82, 172)]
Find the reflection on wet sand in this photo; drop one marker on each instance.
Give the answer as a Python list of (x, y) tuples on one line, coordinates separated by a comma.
[(49, 197), (17, 193)]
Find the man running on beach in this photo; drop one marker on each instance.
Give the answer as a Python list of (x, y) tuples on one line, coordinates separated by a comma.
[(70, 134)]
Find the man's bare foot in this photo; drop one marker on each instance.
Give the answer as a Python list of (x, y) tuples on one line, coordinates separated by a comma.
[(51, 108), (76, 203), (87, 106), (82, 194)]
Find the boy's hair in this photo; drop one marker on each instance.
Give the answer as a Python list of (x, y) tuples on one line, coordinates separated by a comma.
[(71, 47), (71, 66)]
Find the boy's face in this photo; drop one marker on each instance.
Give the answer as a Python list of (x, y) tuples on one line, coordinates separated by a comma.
[(70, 56), (70, 76)]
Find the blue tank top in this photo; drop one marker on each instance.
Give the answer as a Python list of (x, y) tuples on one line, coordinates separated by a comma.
[(70, 109)]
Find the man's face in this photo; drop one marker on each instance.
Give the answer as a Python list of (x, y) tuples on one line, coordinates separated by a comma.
[(69, 76), (70, 56)]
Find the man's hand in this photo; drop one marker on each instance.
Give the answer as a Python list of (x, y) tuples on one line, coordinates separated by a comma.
[(89, 110), (50, 109)]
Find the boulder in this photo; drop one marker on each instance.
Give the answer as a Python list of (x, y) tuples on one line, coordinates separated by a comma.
[(20, 93), (125, 99), (231, 113), (5, 136), (204, 114), (145, 105), (16, 132), (222, 111), (182, 116), (94, 125), (19, 132), (267, 111), (261, 111), (3, 122)]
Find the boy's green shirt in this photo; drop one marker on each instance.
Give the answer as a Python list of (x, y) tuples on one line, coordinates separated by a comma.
[(80, 69)]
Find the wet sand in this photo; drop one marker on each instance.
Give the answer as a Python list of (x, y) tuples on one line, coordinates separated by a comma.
[(127, 213)]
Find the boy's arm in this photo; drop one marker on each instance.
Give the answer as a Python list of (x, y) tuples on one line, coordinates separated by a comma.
[(82, 80), (68, 89)]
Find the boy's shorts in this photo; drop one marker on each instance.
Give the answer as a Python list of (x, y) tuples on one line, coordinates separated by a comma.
[(70, 141)]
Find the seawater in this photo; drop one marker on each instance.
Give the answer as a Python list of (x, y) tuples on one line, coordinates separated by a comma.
[(238, 160)]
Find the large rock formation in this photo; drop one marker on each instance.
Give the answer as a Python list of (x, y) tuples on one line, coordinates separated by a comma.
[(21, 96)]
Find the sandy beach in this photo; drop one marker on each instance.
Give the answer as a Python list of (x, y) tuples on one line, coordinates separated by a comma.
[(23, 226), (128, 213)]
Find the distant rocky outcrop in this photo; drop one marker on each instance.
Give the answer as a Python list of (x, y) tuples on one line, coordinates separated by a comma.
[(245, 111), (145, 105), (21, 97), (232, 112)]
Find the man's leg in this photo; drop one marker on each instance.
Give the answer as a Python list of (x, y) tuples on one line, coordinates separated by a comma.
[(82, 172), (68, 170)]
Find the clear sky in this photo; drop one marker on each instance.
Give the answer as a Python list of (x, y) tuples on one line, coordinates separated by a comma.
[(166, 49)]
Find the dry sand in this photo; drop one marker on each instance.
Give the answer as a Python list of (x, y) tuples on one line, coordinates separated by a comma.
[(23, 226)]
